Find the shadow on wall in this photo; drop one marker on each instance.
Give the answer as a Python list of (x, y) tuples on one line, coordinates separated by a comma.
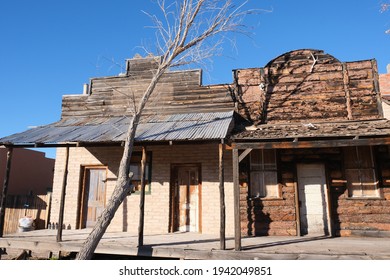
[(258, 221)]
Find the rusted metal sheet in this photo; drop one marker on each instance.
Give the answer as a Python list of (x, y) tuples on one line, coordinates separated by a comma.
[(178, 127)]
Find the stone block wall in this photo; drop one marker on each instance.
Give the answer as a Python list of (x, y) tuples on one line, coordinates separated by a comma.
[(349, 216)]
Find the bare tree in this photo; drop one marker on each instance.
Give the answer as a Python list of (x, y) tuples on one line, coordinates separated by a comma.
[(188, 31), (384, 8)]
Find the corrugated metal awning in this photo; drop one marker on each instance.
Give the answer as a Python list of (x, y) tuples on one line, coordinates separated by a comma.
[(178, 127)]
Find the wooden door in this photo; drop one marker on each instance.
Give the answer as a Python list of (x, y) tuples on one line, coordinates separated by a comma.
[(93, 196), (186, 199), (313, 199)]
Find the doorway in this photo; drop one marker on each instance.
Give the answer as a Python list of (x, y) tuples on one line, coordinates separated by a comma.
[(186, 198), (93, 195), (313, 199)]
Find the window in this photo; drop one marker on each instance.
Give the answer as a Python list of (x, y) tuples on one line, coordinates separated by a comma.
[(263, 174), (135, 167), (360, 172)]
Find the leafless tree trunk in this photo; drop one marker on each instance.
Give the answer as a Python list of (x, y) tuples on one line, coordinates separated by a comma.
[(189, 31), (384, 8)]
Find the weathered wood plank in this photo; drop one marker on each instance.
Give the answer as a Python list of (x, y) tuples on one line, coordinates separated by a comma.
[(63, 193), (5, 189), (313, 144), (236, 190), (221, 176)]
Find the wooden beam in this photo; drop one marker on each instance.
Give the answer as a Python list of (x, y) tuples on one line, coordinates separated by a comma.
[(297, 210), (244, 154), (331, 143), (5, 190), (222, 198), (142, 200), (346, 91), (63, 192), (237, 214), (377, 87)]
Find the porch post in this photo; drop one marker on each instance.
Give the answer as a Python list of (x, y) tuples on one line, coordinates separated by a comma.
[(63, 191), (5, 190), (142, 200), (237, 214), (222, 198)]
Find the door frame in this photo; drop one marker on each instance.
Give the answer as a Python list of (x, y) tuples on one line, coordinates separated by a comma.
[(172, 200), (81, 220), (326, 194)]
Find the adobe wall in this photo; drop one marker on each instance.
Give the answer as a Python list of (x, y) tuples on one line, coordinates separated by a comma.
[(156, 203), (349, 216), (31, 172)]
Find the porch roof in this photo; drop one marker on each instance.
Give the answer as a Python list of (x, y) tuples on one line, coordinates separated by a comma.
[(104, 130), (313, 131)]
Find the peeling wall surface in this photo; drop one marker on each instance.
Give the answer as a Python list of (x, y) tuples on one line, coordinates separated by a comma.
[(309, 86)]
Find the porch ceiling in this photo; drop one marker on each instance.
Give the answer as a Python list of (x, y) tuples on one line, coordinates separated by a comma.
[(174, 127)]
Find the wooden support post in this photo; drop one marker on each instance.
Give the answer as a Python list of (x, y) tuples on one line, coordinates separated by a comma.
[(237, 214), (222, 198), (62, 202), (142, 200), (5, 190), (48, 208), (297, 210), (347, 92)]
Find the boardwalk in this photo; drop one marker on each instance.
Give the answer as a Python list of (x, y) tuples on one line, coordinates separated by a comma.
[(202, 246)]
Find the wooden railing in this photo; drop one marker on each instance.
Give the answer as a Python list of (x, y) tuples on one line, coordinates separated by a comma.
[(19, 206)]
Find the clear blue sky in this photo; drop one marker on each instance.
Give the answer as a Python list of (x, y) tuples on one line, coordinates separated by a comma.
[(51, 48)]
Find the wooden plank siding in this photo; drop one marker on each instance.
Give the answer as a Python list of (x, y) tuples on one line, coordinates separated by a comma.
[(308, 85), (177, 92), (19, 206)]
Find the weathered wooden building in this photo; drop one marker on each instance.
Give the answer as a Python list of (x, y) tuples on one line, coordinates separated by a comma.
[(296, 147), (181, 132), (318, 148)]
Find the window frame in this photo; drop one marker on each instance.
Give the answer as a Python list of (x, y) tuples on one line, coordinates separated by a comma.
[(358, 168), (148, 175), (262, 169)]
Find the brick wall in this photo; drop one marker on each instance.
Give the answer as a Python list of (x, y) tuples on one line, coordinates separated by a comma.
[(384, 84), (157, 202)]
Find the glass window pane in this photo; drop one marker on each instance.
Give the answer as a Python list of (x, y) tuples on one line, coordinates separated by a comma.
[(353, 182), (256, 184), (271, 184), (269, 157), (136, 169), (264, 184), (350, 157), (369, 183), (365, 157), (256, 160)]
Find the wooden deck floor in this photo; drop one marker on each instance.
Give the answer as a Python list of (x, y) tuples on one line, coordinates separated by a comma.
[(202, 246)]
